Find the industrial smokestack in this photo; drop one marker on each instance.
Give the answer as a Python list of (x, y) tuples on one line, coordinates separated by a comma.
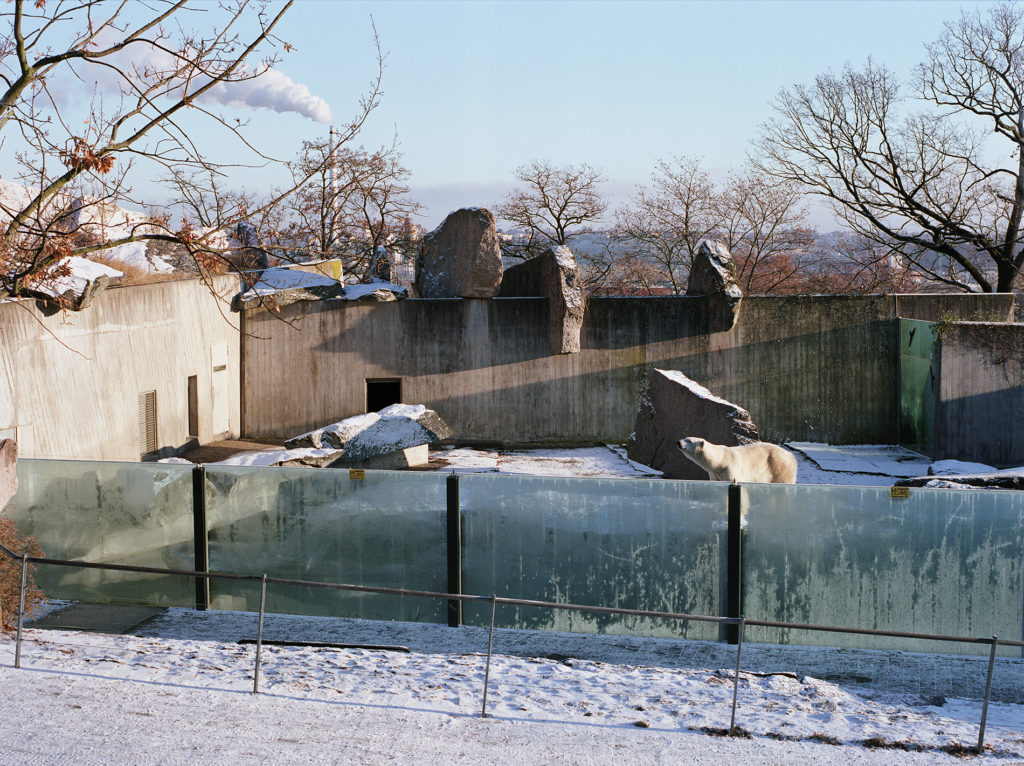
[(332, 182)]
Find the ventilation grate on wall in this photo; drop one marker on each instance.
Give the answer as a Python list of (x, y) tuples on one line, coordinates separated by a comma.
[(147, 424)]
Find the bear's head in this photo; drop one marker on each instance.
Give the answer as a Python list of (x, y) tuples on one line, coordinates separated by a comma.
[(692, 445)]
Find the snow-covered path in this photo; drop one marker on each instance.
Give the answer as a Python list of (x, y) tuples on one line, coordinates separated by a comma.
[(166, 698)]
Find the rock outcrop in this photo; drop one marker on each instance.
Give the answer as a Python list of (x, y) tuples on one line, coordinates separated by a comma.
[(713, 276), (673, 407), (555, 276), (461, 258)]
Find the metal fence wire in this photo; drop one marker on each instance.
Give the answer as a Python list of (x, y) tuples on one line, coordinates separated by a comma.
[(738, 622)]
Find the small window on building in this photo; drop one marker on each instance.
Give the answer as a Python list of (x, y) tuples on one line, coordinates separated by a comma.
[(147, 425), (382, 392), (193, 406)]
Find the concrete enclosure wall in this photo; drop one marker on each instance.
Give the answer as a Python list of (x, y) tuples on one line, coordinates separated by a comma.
[(811, 368), (71, 383), (980, 397)]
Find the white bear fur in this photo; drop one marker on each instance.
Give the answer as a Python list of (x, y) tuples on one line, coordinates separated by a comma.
[(758, 462)]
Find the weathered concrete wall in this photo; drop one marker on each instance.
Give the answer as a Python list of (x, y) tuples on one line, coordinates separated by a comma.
[(980, 391), (807, 368), (71, 382)]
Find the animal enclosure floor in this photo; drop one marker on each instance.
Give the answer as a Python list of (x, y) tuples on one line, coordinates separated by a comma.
[(98, 618)]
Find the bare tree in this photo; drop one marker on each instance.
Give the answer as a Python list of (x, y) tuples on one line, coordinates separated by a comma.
[(762, 224), (665, 222), (155, 82), (349, 203), (924, 183), (854, 264), (556, 203)]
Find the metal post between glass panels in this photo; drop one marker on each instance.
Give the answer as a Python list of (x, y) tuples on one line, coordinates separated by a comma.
[(21, 608)]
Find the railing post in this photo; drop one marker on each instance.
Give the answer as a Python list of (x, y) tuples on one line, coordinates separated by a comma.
[(736, 680), (988, 693), (487, 668), (200, 536), (259, 636), (21, 608), (734, 565), (454, 551)]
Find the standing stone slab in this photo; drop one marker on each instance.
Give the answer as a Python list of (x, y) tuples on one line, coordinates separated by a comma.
[(555, 276), (8, 474), (713, 275), (673, 407), (461, 258)]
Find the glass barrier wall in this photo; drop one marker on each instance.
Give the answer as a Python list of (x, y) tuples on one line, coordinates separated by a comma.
[(636, 544), (138, 514), (940, 561), (387, 529)]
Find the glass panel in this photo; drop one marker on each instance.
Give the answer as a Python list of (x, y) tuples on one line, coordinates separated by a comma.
[(652, 545), (941, 561), (918, 372), (113, 513), (387, 529)]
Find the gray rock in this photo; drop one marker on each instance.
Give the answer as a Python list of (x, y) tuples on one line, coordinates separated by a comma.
[(282, 286), (8, 473), (713, 276), (385, 293), (362, 437), (996, 480), (461, 258), (555, 276), (673, 407)]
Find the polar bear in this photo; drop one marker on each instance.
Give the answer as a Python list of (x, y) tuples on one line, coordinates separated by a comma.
[(757, 462)]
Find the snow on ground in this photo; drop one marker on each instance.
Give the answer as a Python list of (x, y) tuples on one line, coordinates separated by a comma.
[(864, 465), (608, 461), (179, 691), (270, 457), (851, 465)]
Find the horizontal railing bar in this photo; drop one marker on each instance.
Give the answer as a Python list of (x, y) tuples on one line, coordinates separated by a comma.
[(515, 601)]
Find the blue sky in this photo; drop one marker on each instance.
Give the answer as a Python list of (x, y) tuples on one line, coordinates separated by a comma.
[(475, 89)]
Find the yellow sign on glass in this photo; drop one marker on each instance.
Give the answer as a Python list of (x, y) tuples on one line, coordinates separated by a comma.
[(356, 473), (899, 492)]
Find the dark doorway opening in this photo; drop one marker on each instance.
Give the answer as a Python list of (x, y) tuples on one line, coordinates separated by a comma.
[(193, 406), (382, 392)]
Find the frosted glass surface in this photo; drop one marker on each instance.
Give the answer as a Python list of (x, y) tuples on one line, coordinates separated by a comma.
[(653, 545), (942, 561), (138, 514), (318, 524)]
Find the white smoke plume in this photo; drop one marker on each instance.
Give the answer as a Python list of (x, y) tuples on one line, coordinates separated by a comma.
[(272, 90)]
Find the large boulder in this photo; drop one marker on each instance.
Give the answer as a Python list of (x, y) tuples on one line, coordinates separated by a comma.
[(8, 473), (555, 276), (673, 407), (461, 258), (713, 276), (393, 429)]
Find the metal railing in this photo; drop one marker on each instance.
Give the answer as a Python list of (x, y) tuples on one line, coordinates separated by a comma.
[(738, 622)]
